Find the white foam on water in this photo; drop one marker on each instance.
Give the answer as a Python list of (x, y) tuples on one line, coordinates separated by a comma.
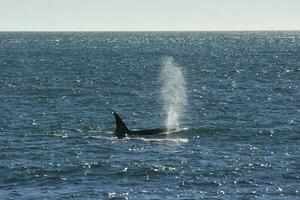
[(173, 92), (161, 140), (158, 140), (141, 138)]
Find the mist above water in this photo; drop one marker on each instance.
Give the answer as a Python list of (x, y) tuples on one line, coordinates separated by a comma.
[(173, 92)]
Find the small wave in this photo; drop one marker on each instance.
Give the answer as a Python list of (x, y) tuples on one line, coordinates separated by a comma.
[(207, 130), (110, 132), (102, 137), (62, 135)]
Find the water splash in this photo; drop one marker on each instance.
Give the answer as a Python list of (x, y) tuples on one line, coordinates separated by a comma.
[(173, 92)]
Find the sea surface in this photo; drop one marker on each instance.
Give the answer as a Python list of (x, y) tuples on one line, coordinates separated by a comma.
[(241, 122)]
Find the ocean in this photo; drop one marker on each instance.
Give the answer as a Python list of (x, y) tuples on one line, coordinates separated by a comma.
[(240, 118)]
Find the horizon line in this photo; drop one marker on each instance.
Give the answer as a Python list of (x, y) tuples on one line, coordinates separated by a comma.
[(217, 30)]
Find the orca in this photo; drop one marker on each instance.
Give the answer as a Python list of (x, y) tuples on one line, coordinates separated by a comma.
[(122, 131)]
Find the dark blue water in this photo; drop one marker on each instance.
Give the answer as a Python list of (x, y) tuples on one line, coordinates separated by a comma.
[(57, 92)]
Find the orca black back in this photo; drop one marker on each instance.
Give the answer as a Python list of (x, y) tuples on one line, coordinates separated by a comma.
[(122, 131)]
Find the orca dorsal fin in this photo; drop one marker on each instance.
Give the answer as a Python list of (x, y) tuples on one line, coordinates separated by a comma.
[(121, 128)]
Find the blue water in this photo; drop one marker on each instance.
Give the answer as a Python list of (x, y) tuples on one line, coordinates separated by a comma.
[(58, 91)]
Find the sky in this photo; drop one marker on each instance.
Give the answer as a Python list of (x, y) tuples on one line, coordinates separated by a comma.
[(149, 15)]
